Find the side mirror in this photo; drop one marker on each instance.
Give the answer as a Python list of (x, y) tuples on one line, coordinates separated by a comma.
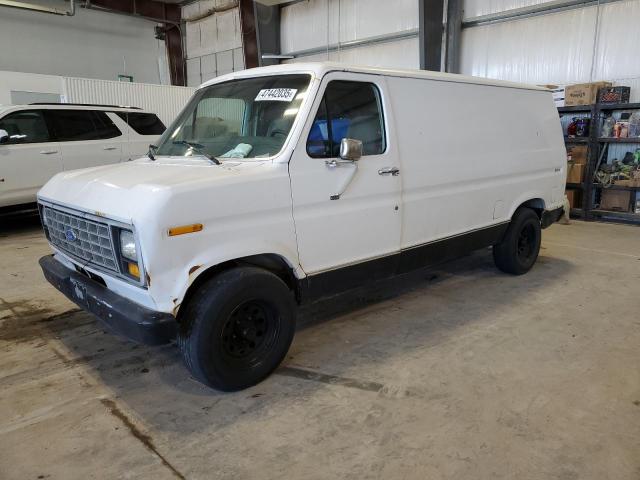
[(350, 149), (4, 136)]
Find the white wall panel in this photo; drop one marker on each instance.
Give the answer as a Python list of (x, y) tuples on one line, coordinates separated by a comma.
[(317, 23), (90, 44), (618, 51), (554, 48), (165, 101), (304, 24), (28, 82), (557, 48)]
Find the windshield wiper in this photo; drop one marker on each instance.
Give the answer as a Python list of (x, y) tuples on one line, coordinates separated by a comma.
[(152, 148), (199, 148)]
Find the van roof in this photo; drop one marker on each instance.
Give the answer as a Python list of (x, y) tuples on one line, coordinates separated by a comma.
[(319, 69)]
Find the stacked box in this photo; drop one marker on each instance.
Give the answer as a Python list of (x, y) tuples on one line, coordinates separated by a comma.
[(583, 93), (614, 95)]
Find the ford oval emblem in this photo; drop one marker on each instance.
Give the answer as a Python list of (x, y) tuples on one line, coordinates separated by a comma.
[(70, 235)]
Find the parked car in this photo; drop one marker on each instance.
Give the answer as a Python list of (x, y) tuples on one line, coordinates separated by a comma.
[(281, 185), (39, 140)]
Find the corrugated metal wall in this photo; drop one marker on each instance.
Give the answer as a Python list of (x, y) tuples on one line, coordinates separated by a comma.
[(317, 23), (165, 101), (573, 46)]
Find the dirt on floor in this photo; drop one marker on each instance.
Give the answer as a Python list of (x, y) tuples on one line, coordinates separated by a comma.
[(459, 372)]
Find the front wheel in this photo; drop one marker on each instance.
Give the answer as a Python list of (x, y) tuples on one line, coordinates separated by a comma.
[(518, 250), (237, 328)]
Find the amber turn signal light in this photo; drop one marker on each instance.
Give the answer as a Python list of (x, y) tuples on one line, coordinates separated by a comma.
[(133, 270), (181, 230)]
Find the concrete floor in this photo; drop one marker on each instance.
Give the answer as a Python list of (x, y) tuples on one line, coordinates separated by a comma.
[(458, 373)]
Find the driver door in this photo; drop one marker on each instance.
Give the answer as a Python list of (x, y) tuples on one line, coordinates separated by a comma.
[(347, 214), (28, 159)]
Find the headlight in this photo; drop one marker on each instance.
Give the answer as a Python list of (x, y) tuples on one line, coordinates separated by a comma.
[(128, 245), (45, 221)]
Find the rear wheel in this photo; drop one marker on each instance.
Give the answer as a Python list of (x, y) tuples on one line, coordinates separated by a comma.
[(237, 328), (518, 250)]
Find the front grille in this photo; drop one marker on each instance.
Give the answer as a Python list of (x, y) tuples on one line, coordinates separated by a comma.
[(85, 239)]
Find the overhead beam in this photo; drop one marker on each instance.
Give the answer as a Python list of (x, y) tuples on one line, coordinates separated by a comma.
[(362, 42), (147, 9), (531, 11), (40, 8)]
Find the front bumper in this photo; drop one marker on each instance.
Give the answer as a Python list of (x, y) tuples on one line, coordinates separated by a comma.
[(121, 315)]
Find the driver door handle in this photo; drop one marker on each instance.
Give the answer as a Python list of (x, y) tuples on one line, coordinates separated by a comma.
[(109, 148), (48, 152), (394, 171)]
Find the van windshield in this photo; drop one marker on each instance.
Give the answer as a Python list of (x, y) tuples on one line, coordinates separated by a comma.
[(246, 118)]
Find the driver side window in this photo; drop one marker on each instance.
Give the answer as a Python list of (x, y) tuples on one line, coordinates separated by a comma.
[(26, 126), (348, 110)]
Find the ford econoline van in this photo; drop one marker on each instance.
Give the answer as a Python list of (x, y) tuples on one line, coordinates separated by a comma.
[(280, 185)]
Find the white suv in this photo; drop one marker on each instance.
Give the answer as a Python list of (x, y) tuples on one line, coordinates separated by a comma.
[(284, 184), (39, 140)]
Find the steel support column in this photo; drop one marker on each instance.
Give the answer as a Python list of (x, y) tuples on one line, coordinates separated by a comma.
[(248, 27), (452, 32), (430, 20), (439, 34), (268, 22)]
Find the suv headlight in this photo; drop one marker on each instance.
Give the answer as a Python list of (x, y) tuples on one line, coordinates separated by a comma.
[(128, 245)]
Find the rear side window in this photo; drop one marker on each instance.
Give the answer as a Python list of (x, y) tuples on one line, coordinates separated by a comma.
[(26, 126), (143, 123), (78, 125), (348, 110)]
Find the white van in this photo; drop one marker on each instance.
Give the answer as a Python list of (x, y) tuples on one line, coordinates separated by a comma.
[(39, 140), (280, 185)]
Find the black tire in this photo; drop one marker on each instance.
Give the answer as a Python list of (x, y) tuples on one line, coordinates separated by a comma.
[(237, 328), (519, 248)]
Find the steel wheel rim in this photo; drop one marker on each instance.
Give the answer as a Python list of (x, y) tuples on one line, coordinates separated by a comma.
[(526, 242), (249, 332)]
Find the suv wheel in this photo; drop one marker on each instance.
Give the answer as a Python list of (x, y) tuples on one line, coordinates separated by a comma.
[(237, 328), (518, 250)]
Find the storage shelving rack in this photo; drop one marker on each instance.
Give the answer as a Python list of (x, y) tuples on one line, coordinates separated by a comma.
[(583, 187), (596, 144)]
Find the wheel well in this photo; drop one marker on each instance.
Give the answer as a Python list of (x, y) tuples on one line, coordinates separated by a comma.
[(535, 204), (267, 261)]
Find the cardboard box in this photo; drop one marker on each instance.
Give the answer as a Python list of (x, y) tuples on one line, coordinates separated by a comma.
[(575, 172), (614, 95), (583, 93), (635, 182), (577, 154), (574, 197), (615, 200)]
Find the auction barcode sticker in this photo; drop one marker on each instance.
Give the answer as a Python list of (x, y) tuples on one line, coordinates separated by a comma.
[(276, 94)]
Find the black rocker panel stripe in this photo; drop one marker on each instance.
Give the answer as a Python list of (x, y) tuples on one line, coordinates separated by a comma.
[(353, 276)]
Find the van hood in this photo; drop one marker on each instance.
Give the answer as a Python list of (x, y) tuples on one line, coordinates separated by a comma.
[(122, 190)]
